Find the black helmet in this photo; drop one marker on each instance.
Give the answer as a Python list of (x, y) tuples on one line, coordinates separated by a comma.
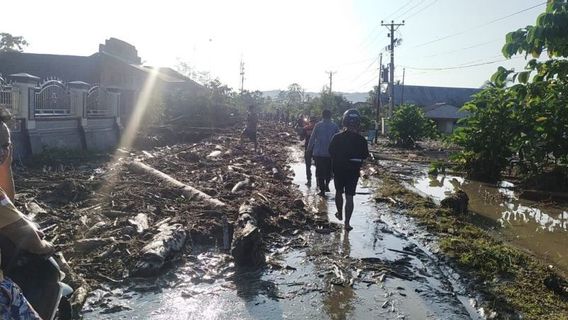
[(351, 118)]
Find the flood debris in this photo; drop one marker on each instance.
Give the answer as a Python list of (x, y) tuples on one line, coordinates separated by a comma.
[(135, 216), (169, 240), (247, 247), (457, 202), (188, 191)]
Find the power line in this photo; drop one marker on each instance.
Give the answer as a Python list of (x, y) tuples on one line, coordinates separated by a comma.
[(365, 70), (399, 9), (465, 66), (478, 26), (356, 62), (356, 88), (464, 48), (424, 8), (412, 8)]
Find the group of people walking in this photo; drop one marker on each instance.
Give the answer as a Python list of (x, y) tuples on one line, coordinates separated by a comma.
[(338, 155)]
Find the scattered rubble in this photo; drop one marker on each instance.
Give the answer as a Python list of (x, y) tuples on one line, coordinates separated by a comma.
[(128, 215)]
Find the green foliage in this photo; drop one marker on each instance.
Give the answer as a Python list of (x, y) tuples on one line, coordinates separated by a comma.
[(522, 115), (485, 135), (336, 103), (409, 125), (9, 42)]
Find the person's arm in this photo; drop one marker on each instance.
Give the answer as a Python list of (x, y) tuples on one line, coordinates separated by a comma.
[(313, 138), (24, 236), (6, 179), (364, 149), (332, 149)]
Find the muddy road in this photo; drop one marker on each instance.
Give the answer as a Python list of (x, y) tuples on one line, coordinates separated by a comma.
[(383, 269)]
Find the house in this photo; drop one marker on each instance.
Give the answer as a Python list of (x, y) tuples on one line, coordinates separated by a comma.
[(445, 116), (115, 66), (79, 101), (441, 104)]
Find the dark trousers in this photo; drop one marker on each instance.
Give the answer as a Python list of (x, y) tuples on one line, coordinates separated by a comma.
[(323, 172), (308, 161)]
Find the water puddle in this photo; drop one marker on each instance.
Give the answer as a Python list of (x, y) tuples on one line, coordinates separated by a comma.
[(539, 227), (382, 269)]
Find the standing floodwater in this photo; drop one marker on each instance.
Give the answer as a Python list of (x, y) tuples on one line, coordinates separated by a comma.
[(376, 271), (539, 227)]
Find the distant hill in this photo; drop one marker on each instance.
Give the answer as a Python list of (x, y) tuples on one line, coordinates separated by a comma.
[(351, 96)]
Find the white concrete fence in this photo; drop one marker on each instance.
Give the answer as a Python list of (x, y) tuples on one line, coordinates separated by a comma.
[(52, 114)]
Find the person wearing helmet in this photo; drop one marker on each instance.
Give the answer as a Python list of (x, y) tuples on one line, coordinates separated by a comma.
[(348, 149), (319, 147)]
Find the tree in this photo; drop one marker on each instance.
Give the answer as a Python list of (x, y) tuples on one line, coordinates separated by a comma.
[(10, 43), (529, 106), (409, 125)]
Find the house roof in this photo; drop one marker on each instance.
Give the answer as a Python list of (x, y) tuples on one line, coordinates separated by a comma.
[(429, 96), (74, 68), (65, 67), (444, 111)]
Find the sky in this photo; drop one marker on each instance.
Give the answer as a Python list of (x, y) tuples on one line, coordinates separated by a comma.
[(455, 43)]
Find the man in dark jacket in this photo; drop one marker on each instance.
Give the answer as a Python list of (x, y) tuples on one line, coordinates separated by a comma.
[(348, 149)]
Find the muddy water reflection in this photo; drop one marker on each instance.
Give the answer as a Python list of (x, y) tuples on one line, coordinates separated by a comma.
[(539, 227)]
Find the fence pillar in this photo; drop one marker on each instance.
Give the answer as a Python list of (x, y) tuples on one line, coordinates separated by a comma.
[(25, 84), (114, 103), (78, 91)]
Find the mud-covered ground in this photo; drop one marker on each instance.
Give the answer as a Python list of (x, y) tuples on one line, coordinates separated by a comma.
[(100, 214), (516, 280)]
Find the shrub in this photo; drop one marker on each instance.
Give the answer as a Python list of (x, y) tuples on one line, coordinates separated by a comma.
[(409, 124)]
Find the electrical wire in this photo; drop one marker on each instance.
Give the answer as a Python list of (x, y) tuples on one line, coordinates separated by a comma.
[(479, 26), (357, 88), (409, 10), (365, 70), (424, 8), (462, 49), (398, 10), (464, 66)]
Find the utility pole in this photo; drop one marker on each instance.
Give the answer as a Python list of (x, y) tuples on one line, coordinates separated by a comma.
[(331, 73), (402, 94), (392, 27), (379, 88), (242, 75)]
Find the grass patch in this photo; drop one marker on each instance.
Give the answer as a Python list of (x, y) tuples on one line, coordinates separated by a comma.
[(511, 280)]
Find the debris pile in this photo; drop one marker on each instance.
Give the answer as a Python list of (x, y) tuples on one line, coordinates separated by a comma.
[(130, 215)]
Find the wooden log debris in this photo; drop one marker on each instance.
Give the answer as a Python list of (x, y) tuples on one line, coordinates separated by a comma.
[(246, 247), (187, 191), (164, 245), (140, 222), (90, 244)]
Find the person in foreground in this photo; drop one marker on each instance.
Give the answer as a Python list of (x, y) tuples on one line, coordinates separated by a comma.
[(348, 149), (319, 147), (15, 228)]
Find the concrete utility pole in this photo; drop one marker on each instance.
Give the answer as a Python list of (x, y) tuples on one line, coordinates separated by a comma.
[(402, 93), (331, 73), (242, 75), (392, 27), (379, 88)]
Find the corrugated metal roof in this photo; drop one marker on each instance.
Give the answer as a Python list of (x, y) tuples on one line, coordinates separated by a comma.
[(444, 111)]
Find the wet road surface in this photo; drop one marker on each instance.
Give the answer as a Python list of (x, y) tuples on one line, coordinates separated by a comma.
[(382, 269)]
